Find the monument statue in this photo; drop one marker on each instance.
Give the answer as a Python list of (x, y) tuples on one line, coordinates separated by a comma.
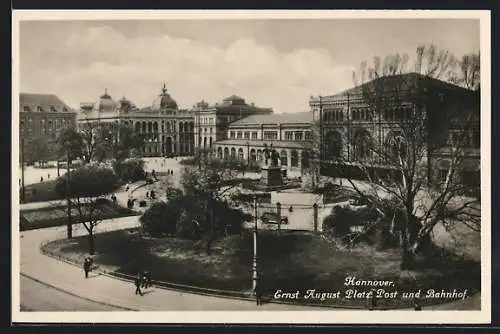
[(275, 158)]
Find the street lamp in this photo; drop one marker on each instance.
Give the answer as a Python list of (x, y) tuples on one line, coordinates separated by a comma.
[(255, 275), (248, 153)]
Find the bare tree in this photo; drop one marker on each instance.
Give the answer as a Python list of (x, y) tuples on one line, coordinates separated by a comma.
[(424, 114), (87, 184)]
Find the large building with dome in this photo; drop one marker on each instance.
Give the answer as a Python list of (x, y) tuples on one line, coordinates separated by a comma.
[(168, 130)]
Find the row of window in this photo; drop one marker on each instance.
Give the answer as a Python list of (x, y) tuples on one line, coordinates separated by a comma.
[(243, 135), (298, 135), (40, 109), (258, 155), (366, 114), (207, 120), (45, 125)]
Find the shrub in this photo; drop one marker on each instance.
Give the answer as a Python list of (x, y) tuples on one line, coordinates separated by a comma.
[(130, 169), (160, 219), (174, 193)]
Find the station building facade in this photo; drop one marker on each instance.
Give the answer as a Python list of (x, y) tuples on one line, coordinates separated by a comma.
[(351, 122), (289, 134)]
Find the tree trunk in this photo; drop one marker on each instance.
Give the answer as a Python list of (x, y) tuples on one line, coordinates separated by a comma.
[(91, 242)]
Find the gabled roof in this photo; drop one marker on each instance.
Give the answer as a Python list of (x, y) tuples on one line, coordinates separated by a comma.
[(407, 81), (292, 118), (45, 101)]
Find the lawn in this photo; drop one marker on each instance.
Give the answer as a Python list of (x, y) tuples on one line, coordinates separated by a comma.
[(44, 192), (57, 215), (290, 261)]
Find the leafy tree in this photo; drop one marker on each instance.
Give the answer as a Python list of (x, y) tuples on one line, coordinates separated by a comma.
[(130, 169), (161, 218), (86, 186), (40, 150), (70, 144)]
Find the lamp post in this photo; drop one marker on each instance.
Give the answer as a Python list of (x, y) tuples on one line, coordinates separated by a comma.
[(69, 226), (248, 153), (255, 276), (23, 189)]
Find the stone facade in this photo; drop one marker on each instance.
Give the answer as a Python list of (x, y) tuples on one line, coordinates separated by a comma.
[(212, 122), (349, 124), (288, 134), (168, 130), (41, 118)]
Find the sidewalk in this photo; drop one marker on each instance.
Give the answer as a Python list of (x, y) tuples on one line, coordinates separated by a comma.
[(116, 292)]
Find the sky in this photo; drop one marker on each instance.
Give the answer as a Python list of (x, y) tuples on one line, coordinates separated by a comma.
[(273, 63)]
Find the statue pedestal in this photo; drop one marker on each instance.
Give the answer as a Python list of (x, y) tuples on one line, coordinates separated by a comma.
[(271, 176)]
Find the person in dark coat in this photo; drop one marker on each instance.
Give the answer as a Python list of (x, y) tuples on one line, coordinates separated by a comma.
[(258, 294), (137, 283), (86, 267)]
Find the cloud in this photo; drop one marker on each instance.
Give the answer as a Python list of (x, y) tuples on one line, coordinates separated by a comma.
[(100, 57)]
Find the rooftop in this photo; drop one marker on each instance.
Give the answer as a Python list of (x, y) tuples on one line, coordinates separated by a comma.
[(406, 81), (45, 101)]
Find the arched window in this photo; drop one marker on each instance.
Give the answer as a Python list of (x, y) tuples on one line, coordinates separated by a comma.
[(253, 155), (143, 127), (361, 145), (210, 142), (150, 127), (226, 153), (294, 158), (39, 109), (219, 153), (137, 127), (240, 154), (233, 153), (42, 126), (284, 158), (49, 125), (333, 145), (155, 127), (21, 125), (204, 142), (26, 109), (259, 155)]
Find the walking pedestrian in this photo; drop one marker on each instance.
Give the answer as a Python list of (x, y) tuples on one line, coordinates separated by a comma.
[(86, 267), (258, 294), (147, 194), (137, 282), (48, 176), (41, 178)]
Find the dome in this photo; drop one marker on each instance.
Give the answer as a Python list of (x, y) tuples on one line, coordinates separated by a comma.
[(105, 102), (164, 101)]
